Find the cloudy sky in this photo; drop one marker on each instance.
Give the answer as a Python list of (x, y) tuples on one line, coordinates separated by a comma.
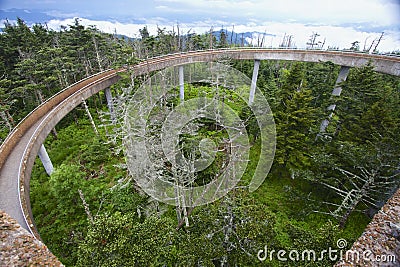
[(340, 22)]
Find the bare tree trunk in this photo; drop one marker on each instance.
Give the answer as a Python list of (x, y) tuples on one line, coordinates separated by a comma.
[(86, 206), (10, 118), (233, 29), (370, 47), (182, 222), (41, 99), (211, 38), (378, 41), (97, 54), (358, 197), (5, 119), (322, 45), (109, 98), (179, 38), (177, 203), (90, 116)]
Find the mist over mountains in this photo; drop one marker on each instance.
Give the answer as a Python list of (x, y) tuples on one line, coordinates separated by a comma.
[(266, 34)]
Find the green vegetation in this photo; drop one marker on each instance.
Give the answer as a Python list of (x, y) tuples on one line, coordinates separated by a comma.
[(90, 212)]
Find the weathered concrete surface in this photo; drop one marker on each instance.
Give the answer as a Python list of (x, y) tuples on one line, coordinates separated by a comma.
[(337, 90), (379, 245), (181, 84), (45, 159), (19, 248), (9, 197), (254, 80), (343, 73)]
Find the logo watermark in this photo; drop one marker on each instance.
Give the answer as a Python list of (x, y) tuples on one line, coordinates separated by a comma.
[(332, 254), (156, 122)]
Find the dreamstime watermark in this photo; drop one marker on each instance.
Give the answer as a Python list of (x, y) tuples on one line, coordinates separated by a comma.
[(156, 123), (332, 254)]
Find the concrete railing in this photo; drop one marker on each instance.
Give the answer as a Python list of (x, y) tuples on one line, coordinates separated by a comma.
[(383, 63), (26, 123), (42, 131)]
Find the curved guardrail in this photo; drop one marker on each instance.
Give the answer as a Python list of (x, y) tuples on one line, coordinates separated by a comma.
[(19, 150), (48, 122), (389, 64)]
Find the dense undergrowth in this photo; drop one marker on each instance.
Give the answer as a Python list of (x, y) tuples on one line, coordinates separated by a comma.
[(278, 215), (123, 227)]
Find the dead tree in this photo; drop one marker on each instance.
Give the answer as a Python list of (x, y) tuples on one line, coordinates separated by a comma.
[(378, 40), (313, 43), (90, 116), (369, 178)]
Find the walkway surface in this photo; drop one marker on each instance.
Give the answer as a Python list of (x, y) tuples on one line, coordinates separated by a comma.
[(19, 248), (9, 200), (19, 150)]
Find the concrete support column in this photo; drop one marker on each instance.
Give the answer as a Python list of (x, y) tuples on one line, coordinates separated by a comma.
[(181, 84), (254, 80), (337, 90), (343, 73), (109, 98), (44, 157)]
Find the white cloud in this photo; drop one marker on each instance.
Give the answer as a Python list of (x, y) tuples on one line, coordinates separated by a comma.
[(59, 14), (336, 36), (377, 12), (130, 30)]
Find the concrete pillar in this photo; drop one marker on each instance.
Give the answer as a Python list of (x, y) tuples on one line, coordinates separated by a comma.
[(337, 90), (254, 80), (181, 84), (108, 94), (44, 157), (344, 71)]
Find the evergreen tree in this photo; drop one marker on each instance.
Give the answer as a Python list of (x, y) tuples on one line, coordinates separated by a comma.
[(359, 165), (321, 79), (267, 84), (294, 118), (369, 106), (223, 42)]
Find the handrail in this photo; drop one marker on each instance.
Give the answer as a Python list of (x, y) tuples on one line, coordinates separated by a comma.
[(22, 164), (25, 124)]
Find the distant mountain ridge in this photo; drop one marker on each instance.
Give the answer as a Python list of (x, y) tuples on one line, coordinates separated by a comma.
[(40, 16)]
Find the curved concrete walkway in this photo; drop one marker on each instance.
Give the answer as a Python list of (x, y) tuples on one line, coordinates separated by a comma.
[(19, 150)]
